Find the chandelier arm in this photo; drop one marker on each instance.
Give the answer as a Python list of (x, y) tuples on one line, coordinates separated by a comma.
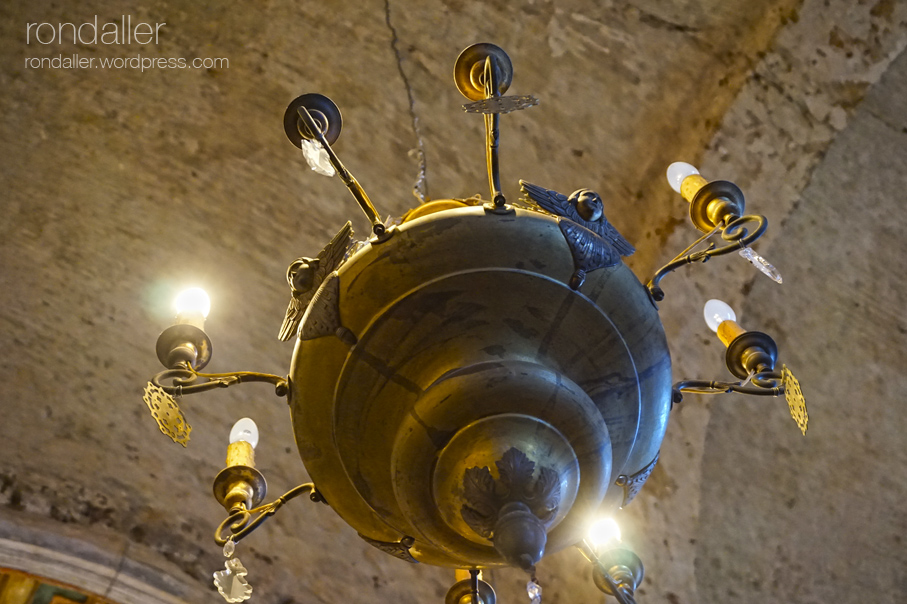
[(715, 387), (348, 179), (241, 523), (184, 379), (734, 231)]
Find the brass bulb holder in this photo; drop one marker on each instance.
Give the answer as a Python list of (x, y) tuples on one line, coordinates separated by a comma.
[(239, 484), (183, 343), (715, 203), (624, 571), (751, 351)]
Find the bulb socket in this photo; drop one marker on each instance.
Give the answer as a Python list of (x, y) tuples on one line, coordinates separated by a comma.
[(240, 484), (691, 185), (240, 453), (728, 331)]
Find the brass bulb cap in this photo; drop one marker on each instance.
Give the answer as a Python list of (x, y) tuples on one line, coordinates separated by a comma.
[(714, 202), (183, 343), (750, 350)]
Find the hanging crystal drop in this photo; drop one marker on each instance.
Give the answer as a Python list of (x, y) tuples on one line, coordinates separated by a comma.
[(231, 583), (761, 263), (317, 158), (229, 548), (534, 590)]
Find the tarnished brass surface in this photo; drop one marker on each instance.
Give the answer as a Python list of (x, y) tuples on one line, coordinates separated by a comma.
[(469, 341)]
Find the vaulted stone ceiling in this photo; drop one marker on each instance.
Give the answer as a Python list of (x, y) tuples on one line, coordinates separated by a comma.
[(120, 186)]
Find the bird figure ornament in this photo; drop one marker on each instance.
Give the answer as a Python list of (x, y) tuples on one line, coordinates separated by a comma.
[(305, 275), (595, 243)]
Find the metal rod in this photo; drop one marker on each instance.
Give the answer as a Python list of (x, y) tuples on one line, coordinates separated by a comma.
[(474, 585), (492, 134), (348, 179)]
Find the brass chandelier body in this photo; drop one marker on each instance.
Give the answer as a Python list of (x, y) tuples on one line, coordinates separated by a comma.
[(441, 348)]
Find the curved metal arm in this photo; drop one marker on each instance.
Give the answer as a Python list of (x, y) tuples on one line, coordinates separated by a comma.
[(185, 380), (241, 523), (767, 383), (734, 232)]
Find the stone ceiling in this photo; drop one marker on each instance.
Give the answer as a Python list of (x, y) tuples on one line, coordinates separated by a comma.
[(120, 186)]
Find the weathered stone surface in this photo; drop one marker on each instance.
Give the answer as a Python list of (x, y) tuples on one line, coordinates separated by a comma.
[(120, 186)]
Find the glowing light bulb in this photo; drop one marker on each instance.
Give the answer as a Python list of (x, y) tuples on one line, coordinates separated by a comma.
[(245, 429), (717, 312), (193, 301), (603, 532), (677, 172)]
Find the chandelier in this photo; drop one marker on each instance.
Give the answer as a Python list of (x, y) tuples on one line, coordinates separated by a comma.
[(479, 382)]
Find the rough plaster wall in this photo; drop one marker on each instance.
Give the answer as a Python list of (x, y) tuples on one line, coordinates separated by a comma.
[(831, 505), (119, 187)]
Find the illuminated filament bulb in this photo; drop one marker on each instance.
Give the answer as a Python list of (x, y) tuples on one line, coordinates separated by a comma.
[(603, 533), (192, 307)]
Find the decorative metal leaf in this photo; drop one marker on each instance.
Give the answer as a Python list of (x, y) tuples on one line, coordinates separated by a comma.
[(795, 400), (515, 470), (483, 525), (231, 583), (547, 494), (166, 412), (478, 490)]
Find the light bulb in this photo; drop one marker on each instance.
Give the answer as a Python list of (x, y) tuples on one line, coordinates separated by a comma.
[(193, 301), (603, 532), (245, 429), (717, 312), (677, 172)]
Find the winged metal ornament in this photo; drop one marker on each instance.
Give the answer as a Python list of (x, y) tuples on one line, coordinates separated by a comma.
[(584, 207), (305, 275), (594, 242)]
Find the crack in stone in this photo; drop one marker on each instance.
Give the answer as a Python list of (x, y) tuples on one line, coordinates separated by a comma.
[(420, 188), (118, 571)]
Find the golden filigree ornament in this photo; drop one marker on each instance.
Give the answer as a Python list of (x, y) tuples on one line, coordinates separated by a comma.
[(167, 413), (794, 398)]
